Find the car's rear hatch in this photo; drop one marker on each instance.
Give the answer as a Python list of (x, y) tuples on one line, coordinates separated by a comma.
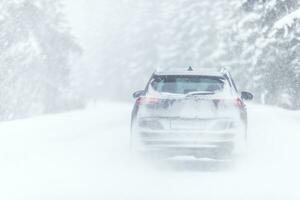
[(193, 112)]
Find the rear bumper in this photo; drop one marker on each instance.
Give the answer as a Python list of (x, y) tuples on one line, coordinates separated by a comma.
[(168, 143)]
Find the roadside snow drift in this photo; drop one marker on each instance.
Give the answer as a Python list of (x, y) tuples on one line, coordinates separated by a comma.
[(85, 155)]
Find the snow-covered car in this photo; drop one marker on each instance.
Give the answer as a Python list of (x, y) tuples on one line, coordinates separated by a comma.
[(197, 113)]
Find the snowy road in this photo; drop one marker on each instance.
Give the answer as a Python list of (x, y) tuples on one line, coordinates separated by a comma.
[(84, 155)]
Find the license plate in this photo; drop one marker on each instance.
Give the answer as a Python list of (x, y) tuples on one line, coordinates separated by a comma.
[(188, 124)]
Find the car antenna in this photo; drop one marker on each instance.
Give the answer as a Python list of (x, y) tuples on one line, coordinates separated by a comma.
[(190, 69)]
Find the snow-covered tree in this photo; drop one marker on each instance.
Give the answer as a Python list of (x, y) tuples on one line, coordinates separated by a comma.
[(253, 38), (262, 54), (36, 50), (160, 34)]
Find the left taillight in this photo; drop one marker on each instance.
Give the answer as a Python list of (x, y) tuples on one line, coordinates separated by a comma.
[(147, 101)]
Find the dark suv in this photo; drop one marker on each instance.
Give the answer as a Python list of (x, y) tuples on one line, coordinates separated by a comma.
[(197, 113)]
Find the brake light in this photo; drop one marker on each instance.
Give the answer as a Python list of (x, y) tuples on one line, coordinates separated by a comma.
[(235, 102), (147, 100), (238, 103)]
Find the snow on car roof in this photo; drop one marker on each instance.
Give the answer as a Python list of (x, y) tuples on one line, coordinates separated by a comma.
[(194, 71)]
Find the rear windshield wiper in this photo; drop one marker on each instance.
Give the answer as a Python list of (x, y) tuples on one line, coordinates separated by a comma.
[(199, 93)]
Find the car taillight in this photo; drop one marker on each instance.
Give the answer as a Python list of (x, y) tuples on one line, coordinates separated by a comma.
[(227, 102), (238, 103), (147, 100)]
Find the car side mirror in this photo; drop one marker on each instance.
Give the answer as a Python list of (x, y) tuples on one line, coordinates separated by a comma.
[(247, 95), (139, 93)]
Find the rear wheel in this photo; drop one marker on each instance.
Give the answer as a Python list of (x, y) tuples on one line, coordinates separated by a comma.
[(131, 142), (134, 138), (241, 139)]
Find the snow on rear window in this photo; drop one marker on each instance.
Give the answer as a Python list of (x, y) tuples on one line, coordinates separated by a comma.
[(187, 84)]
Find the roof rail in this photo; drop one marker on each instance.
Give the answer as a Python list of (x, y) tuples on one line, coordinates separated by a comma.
[(228, 75)]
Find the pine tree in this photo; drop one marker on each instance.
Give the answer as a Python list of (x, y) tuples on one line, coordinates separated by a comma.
[(262, 60), (36, 51)]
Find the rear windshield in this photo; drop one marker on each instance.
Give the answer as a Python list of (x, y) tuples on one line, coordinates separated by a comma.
[(187, 84)]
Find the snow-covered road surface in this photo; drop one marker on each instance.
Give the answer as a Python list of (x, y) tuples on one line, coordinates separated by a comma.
[(85, 155)]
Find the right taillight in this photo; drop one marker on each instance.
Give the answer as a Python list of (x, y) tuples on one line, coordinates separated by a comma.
[(238, 103), (229, 102)]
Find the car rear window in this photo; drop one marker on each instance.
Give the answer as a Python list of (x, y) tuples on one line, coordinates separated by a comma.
[(187, 84)]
